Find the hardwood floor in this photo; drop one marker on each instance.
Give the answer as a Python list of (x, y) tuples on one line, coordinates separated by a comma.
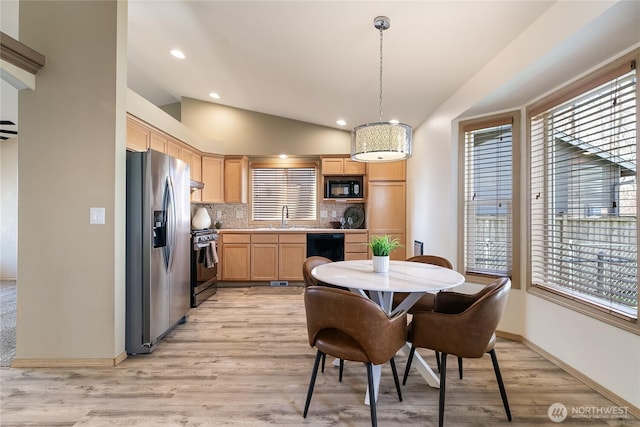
[(243, 359)]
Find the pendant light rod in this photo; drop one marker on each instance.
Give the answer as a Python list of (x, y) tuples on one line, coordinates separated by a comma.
[(381, 23)]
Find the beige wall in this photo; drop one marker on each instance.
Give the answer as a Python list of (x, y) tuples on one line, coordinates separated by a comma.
[(606, 355), (71, 157), (256, 134)]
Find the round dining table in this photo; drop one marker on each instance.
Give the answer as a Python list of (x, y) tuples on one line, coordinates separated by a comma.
[(413, 278)]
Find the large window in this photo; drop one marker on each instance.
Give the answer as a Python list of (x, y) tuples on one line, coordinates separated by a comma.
[(273, 187), (583, 198), (488, 204)]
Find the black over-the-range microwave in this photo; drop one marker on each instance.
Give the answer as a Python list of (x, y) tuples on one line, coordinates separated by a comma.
[(343, 187)]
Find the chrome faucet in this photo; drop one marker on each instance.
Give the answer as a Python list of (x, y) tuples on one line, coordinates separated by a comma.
[(282, 220)]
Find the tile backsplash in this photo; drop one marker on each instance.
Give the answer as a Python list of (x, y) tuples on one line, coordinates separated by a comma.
[(236, 215)]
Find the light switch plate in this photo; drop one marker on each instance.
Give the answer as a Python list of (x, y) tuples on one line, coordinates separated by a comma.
[(96, 215), (239, 214), (218, 214), (323, 214)]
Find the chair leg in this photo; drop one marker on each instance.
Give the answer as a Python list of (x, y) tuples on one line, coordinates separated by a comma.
[(409, 360), (443, 382), (503, 392), (460, 367), (314, 373), (438, 360), (372, 395), (395, 378), (324, 358), (341, 370)]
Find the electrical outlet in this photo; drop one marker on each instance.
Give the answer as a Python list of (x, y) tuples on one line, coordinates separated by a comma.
[(323, 214), (334, 214), (218, 214), (239, 215)]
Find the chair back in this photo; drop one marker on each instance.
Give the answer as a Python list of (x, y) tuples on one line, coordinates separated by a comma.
[(432, 259), (309, 264), (349, 326), (469, 332)]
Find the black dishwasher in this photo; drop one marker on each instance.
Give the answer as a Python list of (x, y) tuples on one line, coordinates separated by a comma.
[(328, 245)]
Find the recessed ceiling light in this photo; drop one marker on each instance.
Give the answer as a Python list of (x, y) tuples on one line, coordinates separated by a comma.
[(214, 95), (177, 53), (341, 122), (394, 121), (283, 156)]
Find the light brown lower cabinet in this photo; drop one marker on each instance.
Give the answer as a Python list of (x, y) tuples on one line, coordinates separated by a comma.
[(264, 257), (356, 246), (292, 251), (236, 256)]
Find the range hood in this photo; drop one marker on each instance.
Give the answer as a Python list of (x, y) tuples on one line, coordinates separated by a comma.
[(196, 185)]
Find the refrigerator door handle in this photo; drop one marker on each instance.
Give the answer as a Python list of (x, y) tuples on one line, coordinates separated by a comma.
[(172, 223), (167, 204)]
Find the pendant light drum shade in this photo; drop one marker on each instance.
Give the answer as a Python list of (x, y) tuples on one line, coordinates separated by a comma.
[(381, 142)]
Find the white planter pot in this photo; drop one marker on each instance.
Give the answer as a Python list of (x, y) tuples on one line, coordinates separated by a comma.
[(380, 264), (201, 219)]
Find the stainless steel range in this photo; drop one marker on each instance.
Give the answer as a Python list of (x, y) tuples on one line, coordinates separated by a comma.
[(204, 265)]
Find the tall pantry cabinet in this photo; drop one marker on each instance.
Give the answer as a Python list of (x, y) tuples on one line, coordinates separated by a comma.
[(386, 202)]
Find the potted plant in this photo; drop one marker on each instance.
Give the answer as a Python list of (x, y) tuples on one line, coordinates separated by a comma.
[(381, 246)]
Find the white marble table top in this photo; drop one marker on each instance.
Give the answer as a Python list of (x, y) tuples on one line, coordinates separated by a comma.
[(403, 276)]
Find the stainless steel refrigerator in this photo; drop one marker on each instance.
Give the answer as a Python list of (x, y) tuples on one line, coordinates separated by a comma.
[(157, 245)]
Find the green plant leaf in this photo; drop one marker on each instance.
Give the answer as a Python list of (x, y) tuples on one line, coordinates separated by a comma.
[(383, 245)]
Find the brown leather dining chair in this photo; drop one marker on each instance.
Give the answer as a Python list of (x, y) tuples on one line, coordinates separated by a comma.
[(426, 301), (349, 326), (463, 325), (309, 264)]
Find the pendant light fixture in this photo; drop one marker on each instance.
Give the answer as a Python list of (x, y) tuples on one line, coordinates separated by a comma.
[(381, 141)]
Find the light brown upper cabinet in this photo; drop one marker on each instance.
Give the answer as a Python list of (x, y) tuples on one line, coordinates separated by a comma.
[(236, 179), (213, 179), (342, 166), (173, 148), (138, 135), (158, 142), (387, 171)]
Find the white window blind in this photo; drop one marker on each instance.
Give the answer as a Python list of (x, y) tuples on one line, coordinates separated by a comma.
[(275, 187), (583, 195), (488, 199)]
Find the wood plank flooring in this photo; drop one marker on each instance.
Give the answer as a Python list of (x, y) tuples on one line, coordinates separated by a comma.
[(243, 359)]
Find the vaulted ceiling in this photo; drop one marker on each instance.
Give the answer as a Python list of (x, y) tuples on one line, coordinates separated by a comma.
[(318, 61)]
